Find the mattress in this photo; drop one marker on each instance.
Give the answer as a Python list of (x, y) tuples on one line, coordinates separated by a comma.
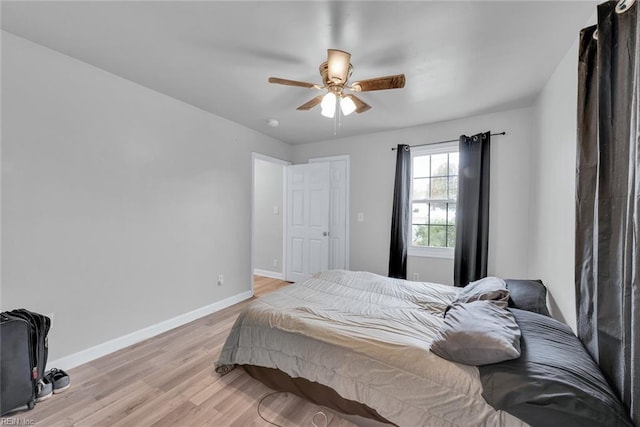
[(367, 337)]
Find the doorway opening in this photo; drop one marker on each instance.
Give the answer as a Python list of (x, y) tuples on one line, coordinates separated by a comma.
[(268, 217), (300, 217)]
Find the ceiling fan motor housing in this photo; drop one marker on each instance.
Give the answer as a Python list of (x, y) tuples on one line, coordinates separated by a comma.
[(335, 80)]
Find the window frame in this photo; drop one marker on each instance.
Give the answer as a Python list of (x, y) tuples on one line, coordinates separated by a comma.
[(429, 251)]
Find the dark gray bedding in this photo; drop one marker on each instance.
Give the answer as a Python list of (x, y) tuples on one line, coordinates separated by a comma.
[(530, 295), (554, 382)]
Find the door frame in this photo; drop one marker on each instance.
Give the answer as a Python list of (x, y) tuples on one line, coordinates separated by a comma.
[(346, 157), (283, 209)]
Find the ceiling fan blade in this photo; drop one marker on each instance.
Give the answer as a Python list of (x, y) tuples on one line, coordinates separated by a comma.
[(361, 106), (338, 66), (310, 104), (293, 83), (380, 83)]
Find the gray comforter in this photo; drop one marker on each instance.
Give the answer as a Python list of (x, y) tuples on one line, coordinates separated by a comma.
[(554, 381), (368, 338)]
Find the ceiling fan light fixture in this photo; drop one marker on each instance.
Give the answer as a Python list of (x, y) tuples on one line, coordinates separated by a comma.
[(347, 105), (328, 105), (338, 66)]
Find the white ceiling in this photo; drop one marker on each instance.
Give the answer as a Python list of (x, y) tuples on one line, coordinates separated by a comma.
[(460, 58)]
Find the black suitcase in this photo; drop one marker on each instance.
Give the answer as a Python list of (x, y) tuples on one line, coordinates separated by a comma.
[(16, 384), (40, 325), (23, 358)]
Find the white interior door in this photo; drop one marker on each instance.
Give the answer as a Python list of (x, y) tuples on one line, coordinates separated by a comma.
[(307, 220), (338, 255)]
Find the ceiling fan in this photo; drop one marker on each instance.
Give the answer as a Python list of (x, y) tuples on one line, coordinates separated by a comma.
[(335, 72)]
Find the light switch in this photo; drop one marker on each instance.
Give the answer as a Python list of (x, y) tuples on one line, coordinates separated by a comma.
[(360, 217), (276, 210)]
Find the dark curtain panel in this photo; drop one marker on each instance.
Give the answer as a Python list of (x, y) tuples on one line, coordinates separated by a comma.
[(607, 199), (400, 217), (586, 184), (472, 212)]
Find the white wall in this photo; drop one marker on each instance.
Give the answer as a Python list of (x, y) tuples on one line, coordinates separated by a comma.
[(120, 205), (268, 229), (372, 176), (553, 161)]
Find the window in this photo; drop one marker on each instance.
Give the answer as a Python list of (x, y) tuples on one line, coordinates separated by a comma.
[(434, 190)]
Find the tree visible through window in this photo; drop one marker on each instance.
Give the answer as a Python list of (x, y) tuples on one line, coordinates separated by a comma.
[(433, 199)]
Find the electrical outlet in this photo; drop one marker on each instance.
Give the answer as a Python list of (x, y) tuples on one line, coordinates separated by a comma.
[(275, 262), (220, 279), (416, 277)]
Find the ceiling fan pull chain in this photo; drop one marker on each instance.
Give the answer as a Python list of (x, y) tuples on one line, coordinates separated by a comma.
[(336, 119)]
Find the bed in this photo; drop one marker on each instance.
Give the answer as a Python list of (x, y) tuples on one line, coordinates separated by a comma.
[(361, 344)]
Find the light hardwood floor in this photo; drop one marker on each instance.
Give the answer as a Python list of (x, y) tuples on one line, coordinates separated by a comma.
[(168, 380), (263, 285)]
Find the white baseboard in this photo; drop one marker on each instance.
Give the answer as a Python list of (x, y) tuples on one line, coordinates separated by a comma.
[(267, 273), (84, 356)]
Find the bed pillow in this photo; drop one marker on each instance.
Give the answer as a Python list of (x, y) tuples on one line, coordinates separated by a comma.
[(554, 381), (477, 333), (530, 295), (488, 288)]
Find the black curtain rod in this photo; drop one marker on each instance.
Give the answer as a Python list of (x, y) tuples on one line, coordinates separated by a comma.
[(443, 142)]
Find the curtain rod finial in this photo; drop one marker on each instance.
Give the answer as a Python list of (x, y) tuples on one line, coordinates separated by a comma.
[(624, 5)]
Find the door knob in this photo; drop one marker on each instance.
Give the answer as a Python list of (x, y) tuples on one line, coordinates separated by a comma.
[(325, 234)]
